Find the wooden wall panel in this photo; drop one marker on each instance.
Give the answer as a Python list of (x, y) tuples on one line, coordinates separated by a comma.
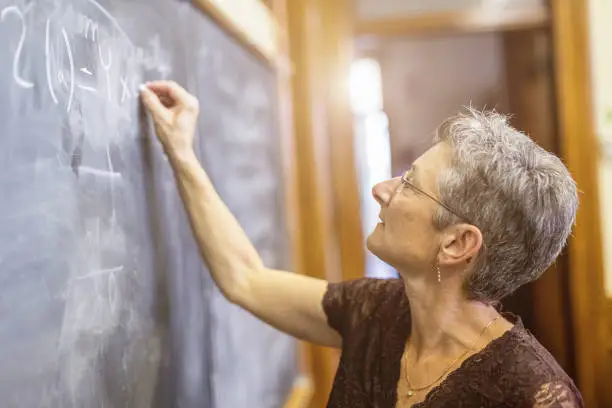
[(320, 42), (530, 84), (369, 9), (453, 21), (580, 151), (336, 49), (303, 387), (317, 249)]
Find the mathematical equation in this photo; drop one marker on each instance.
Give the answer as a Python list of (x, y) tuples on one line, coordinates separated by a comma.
[(85, 51)]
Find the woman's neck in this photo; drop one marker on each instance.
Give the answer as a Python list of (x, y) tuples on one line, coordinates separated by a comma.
[(444, 321)]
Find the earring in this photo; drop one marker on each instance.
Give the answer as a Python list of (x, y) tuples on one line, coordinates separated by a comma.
[(438, 271)]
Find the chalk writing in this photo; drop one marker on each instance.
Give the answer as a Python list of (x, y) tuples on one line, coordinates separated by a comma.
[(112, 292), (97, 238), (111, 18), (15, 10), (87, 88), (125, 94), (99, 173), (87, 27), (120, 76), (108, 271), (106, 64), (48, 62), (71, 60)]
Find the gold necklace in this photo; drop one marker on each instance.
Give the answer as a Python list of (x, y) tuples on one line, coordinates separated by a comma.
[(413, 390)]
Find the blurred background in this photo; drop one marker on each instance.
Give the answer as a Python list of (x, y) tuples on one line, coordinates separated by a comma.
[(368, 82)]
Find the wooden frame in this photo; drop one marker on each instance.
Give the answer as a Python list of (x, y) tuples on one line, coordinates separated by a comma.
[(250, 21), (531, 97), (338, 17), (321, 39), (314, 240), (262, 29), (579, 149), (467, 21)]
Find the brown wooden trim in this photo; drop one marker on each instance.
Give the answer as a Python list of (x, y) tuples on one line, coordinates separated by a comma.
[(580, 151), (604, 396), (303, 389), (259, 32), (464, 21), (530, 87), (607, 364), (609, 332), (311, 151), (301, 394), (337, 50)]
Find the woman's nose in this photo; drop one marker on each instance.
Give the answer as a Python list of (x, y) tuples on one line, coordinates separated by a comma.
[(383, 191)]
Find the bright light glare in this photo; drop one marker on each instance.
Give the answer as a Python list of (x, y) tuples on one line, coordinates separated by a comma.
[(366, 86)]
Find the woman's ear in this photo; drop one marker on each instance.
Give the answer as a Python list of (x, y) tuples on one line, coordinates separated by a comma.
[(460, 244)]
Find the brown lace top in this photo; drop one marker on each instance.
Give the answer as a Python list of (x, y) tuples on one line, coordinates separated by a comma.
[(373, 317)]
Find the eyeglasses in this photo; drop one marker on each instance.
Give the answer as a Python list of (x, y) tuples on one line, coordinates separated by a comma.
[(408, 183)]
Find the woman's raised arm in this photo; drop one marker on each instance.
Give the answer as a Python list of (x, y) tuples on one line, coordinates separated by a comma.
[(290, 302)]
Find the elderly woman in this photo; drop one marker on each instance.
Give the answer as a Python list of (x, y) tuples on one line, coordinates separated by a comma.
[(482, 212)]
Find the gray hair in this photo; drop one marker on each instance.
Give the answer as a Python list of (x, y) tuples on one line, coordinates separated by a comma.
[(521, 197)]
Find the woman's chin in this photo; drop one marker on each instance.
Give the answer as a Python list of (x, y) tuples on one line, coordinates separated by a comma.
[(371, 241), (375, 244)]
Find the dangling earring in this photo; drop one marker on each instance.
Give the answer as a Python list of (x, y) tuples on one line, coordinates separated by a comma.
[(438, 271)]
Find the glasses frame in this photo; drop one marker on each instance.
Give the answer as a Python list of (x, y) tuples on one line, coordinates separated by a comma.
[(408, 183)]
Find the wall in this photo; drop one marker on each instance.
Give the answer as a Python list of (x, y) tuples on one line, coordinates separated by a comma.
[(391, 8), (600, 14), (425, 80), (330, 237)]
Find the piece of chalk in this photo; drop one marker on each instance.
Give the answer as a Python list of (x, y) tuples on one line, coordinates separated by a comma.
[(142, 87)]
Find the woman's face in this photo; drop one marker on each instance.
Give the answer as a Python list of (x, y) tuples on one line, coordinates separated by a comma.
[(406, 238)]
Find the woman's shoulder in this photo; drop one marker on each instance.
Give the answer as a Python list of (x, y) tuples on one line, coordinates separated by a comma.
[(368, 293), (527, 355), (350, 303), (521, 366)]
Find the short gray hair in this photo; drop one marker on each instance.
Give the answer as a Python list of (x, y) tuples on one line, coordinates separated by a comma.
[(521, 197)]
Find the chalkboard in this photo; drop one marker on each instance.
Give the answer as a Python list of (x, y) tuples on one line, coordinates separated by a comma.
[(104, 300)]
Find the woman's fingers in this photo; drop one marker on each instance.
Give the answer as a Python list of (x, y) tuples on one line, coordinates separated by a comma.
[(153, 102), (174, 112), (167, 101), (174, 92)]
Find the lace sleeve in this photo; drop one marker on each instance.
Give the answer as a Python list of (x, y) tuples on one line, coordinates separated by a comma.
[(557, 395), (348, 303)]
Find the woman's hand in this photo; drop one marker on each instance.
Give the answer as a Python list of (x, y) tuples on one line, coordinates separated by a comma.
[(174, 112)]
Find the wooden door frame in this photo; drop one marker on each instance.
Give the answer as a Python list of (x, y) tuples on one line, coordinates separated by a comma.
[(474, 20), (531, 97), (580, 151), (320, 42)]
